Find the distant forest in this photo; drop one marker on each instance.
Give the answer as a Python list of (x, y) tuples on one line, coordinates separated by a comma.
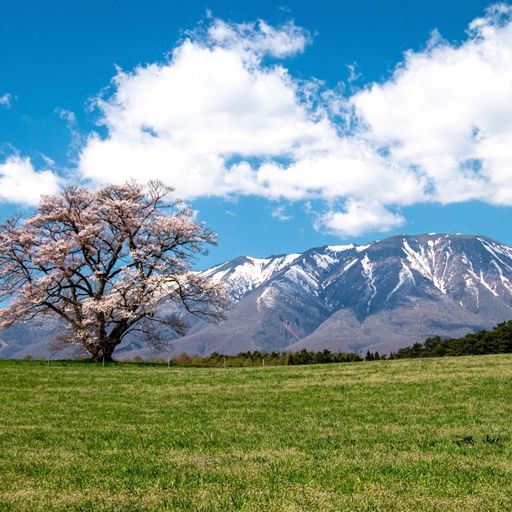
[(498, 340)]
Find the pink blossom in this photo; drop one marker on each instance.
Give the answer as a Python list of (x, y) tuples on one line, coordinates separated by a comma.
[(104, 262)]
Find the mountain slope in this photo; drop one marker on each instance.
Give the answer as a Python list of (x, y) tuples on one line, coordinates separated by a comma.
[(383, 295)]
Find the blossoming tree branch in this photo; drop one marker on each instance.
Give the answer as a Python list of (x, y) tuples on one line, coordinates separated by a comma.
[(107, 263)]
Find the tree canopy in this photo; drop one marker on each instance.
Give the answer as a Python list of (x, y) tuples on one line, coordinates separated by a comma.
[(498, 340)]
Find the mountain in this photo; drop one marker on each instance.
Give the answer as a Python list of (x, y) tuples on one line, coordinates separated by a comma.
[(379, 296)]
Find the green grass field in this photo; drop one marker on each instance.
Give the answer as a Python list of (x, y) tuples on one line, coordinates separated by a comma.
[(432, 434)]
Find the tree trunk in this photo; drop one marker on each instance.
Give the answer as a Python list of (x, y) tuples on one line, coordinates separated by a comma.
[(103, 352)]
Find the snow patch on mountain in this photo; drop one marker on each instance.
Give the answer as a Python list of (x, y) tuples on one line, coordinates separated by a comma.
[(340, 248), (350, 264), (299, 276), (367, 267), (424, 261), (495, 249), (267, 298), (504, 280), (480, 278), (324, 261), (246, 273), (404, 275)]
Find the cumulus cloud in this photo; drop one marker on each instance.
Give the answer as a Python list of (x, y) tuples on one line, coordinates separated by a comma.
[(21, 183), (446, 111), (357, 218), (196, 120), (222, 116), (216, 120)]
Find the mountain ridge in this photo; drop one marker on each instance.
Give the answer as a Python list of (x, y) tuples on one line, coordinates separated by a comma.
[(361, 284)]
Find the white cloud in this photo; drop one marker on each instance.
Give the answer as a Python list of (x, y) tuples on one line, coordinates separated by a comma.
[(6, 100), (358, 218), (196, 120), (67, 115), (447, 111), (353, 74), (219, 118), (259, 39), (21, 183), (71, 122), (215, 120), (279, 213)]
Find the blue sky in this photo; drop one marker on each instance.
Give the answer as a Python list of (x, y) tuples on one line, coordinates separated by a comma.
[(309, 66)]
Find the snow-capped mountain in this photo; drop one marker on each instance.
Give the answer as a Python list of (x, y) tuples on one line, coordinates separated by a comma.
[(246, 273), (380, 296)]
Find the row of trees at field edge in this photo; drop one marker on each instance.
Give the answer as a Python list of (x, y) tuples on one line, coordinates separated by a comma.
[(257, 358), (495, 341), (498, 340)]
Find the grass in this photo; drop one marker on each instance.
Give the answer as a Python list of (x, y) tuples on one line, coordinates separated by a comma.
[(432, 434)]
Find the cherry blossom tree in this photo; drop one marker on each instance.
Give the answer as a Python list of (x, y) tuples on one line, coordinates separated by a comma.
[(107, 262)]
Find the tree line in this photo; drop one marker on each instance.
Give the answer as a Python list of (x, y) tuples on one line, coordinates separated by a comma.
[(258, 358), (498, 340)]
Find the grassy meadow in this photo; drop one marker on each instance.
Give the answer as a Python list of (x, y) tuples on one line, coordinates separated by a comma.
[(429, 434)]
